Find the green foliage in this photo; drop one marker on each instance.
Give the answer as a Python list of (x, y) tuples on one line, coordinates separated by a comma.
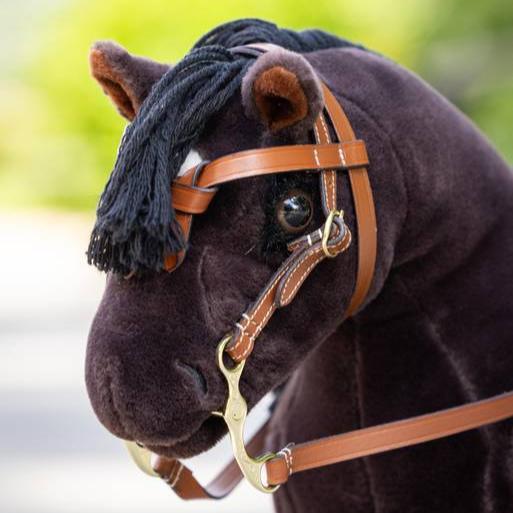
[(58, 133)]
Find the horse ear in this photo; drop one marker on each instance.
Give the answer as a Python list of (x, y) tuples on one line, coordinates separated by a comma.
[(283, 91), (126, 79)]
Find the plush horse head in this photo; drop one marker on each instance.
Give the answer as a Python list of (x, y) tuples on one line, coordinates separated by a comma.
[(433, 331)]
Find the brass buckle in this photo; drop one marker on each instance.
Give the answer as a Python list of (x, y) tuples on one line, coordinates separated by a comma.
[(141, 457), (234, 414), (327, 231)]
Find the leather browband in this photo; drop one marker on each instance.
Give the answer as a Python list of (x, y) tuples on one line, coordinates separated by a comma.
[(192, 194), (280, 159)]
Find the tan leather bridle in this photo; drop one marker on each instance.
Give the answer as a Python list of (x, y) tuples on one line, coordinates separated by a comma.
[(192, 194)]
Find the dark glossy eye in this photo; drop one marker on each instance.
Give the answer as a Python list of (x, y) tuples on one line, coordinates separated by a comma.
[(294, 211)]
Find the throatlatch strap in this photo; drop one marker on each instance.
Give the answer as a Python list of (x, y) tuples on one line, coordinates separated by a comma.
[(363, 204)]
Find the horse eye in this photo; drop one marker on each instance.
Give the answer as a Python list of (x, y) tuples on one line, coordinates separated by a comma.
[(294, 211)]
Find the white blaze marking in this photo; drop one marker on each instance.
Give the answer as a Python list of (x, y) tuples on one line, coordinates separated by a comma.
[(193, 159)]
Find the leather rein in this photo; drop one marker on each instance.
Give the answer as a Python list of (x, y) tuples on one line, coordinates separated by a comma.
[(191, 195)]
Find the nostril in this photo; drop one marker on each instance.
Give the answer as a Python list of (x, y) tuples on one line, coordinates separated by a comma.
[(195, 374)]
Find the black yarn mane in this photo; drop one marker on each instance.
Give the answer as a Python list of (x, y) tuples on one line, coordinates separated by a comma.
[(135, 220)]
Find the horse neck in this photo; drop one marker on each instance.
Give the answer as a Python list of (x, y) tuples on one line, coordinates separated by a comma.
[(440, 328), (439, 316)]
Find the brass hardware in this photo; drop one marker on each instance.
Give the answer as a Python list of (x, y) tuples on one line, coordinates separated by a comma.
[(234, 414), (327, 231), (141, 457)]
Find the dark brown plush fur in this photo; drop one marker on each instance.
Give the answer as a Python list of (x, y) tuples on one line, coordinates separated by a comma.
[(435, 330)]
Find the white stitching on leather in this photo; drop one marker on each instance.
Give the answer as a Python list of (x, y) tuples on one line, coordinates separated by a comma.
[(239, 342), (342, 156), (325, 128), (287, 456), (302, 277), (258, 330), (331, 173), (260, 325), (333, 178), (290, 459), (328, 176), (263, 169), (323, 173), (307, 271), (316, 156), (317, 137), (177, 475)]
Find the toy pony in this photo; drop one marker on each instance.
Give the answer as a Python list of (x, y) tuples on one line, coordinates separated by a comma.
[(350, 232)]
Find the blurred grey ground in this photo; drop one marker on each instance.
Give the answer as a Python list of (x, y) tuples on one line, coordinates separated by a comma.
[(55, 456)]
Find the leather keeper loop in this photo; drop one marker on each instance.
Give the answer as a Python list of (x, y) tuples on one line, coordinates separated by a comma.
[(191, 199)]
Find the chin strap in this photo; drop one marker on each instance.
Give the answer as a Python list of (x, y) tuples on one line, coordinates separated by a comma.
[(339, 448)]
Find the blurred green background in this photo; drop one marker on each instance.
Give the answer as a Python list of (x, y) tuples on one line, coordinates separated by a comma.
[(58, 133)]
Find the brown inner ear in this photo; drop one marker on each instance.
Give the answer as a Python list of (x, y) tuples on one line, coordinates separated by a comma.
[(112, 85), (118, 96), (279, 98)]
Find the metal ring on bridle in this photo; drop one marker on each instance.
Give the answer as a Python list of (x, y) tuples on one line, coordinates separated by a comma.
[(327, 231), (142, 457)]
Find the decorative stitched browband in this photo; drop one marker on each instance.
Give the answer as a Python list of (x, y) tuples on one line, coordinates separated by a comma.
[(192, 194)]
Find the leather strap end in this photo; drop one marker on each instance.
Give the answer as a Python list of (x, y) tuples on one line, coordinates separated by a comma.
[(173, 261), (278, 471), (242, 345), (296, 275), (179, 478)]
